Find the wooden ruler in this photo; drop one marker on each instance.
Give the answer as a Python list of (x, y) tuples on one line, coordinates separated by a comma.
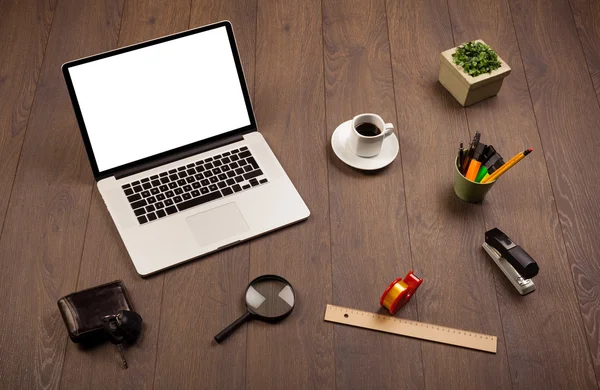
[(419, 330)]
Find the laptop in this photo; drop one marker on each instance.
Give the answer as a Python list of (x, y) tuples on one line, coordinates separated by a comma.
[(174, 147)]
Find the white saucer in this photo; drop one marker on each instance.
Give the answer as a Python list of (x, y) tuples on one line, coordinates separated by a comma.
[(389, 150)]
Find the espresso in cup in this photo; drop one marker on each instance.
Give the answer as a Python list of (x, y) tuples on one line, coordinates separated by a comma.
[(368, 130), (367, 134)]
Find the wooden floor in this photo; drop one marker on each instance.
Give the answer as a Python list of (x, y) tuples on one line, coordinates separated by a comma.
[(310, 65)]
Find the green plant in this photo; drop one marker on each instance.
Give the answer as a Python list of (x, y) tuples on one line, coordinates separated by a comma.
[(476, 58)]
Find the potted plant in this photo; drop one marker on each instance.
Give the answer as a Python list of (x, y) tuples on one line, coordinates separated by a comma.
[(472, 72)]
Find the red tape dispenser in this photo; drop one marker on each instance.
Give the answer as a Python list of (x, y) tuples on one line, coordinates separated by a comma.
[(399, 292)]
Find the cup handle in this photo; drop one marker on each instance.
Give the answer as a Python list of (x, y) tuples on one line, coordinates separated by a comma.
[(389, 130)]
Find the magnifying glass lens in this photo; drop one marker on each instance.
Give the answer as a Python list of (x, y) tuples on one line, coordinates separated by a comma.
[(270, 298)]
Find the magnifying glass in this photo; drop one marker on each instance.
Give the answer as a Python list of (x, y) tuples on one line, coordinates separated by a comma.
[(269, 298)]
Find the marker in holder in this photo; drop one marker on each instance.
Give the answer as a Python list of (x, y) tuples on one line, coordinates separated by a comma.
[(399, 292)]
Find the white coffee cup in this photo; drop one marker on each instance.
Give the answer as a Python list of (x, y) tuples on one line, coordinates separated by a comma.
[(368, 144)]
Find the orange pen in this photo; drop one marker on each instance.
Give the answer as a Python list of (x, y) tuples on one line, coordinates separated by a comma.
[(475, 163)]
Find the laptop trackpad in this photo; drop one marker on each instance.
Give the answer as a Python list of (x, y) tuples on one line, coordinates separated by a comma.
[(217, 224)]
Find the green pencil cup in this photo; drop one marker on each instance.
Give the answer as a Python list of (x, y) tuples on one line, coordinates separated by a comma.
[(468, 190)]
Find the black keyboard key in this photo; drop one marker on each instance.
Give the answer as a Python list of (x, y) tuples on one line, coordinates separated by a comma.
[(164, 180), (214, 179), (225, 168), (243, 148), (151, 216), (155, 191), (181, 169), (172, 185), (225, 160), (138, 189), (199, 176), (173, 177), (263, 181), (135, 183), (245, 154), (128, 185), (234, 157), (186, 196), (138, 204), (147, 186), (191, 171), (146, 194), (128, 191), (208, 159), (217, 163), (226, 191), (252, 161), (190, 165), (150, 208), (173, 171), (239, 179), (159, 205), (204, 182), (178, 191), (239, 171), (253, 182), (216, 156), (204, 190), (155, 183), (195, 193), (231, 174), (216, 171), (208, 166), (134, 197), (187, 188), (160, 197), (199, 200), (181, 182), (145, 180), (140, 211), (212, 187), (163, 174), (161, 213), (233, 165), (253, 174), (171, 210), (190, 179), (142, 220), (177, 199), (222, 176), (151, 199), (230, 182), (164, 188), (208, 174), (196, 185), (154, 177), (182, 174), (235, 151), (222, 184), (169, 202), (248, 168), (170, 194), (226, 154), (246, 186), (236, 187)]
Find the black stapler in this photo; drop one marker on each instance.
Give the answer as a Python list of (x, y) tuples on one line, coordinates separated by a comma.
[(514, 262)]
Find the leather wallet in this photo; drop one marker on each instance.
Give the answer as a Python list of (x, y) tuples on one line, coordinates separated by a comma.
[(83, 311)]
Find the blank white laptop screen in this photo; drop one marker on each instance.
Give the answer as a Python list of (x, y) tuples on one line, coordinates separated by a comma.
[(161, 97)]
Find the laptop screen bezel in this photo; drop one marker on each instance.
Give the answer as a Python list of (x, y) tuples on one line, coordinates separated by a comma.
[(98, 175)]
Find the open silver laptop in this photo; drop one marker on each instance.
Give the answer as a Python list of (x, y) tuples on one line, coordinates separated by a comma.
[(174, 147)]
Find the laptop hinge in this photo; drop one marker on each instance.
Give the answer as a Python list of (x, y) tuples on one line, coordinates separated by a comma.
[(178, 156)]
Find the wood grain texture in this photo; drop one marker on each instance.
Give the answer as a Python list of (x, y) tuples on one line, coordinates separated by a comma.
[(369, 233), (446, 233), (289, 101), (45, 224), (105, 257), (568, 119), (202, 297), (508, 122), (587, 19), (24, 29)]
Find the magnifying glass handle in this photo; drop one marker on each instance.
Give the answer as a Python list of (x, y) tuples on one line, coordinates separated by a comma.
[(233, 326)]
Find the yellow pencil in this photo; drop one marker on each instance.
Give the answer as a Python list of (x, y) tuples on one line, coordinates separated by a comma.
[(500, 171)]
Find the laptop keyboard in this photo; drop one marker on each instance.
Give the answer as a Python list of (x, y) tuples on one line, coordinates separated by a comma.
[(190, 185)]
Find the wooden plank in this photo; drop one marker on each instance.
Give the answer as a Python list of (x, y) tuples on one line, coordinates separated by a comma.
[(368, 210), (105, 257), (289, 102), (24, 29), (568, 118), (45, 223), (446, 233), (202, 297), (587, 19), (508, 122)]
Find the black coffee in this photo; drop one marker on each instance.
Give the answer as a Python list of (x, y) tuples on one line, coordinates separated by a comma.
[(368, 130)]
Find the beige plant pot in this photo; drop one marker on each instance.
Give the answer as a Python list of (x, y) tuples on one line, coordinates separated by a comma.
[(468, 89)]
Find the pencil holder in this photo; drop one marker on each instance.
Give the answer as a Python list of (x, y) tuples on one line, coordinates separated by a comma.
[(468, 190)]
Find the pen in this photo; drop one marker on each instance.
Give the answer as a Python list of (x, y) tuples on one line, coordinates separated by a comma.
[(460, 156), (507, 166), (472, 147), (475, 162)]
